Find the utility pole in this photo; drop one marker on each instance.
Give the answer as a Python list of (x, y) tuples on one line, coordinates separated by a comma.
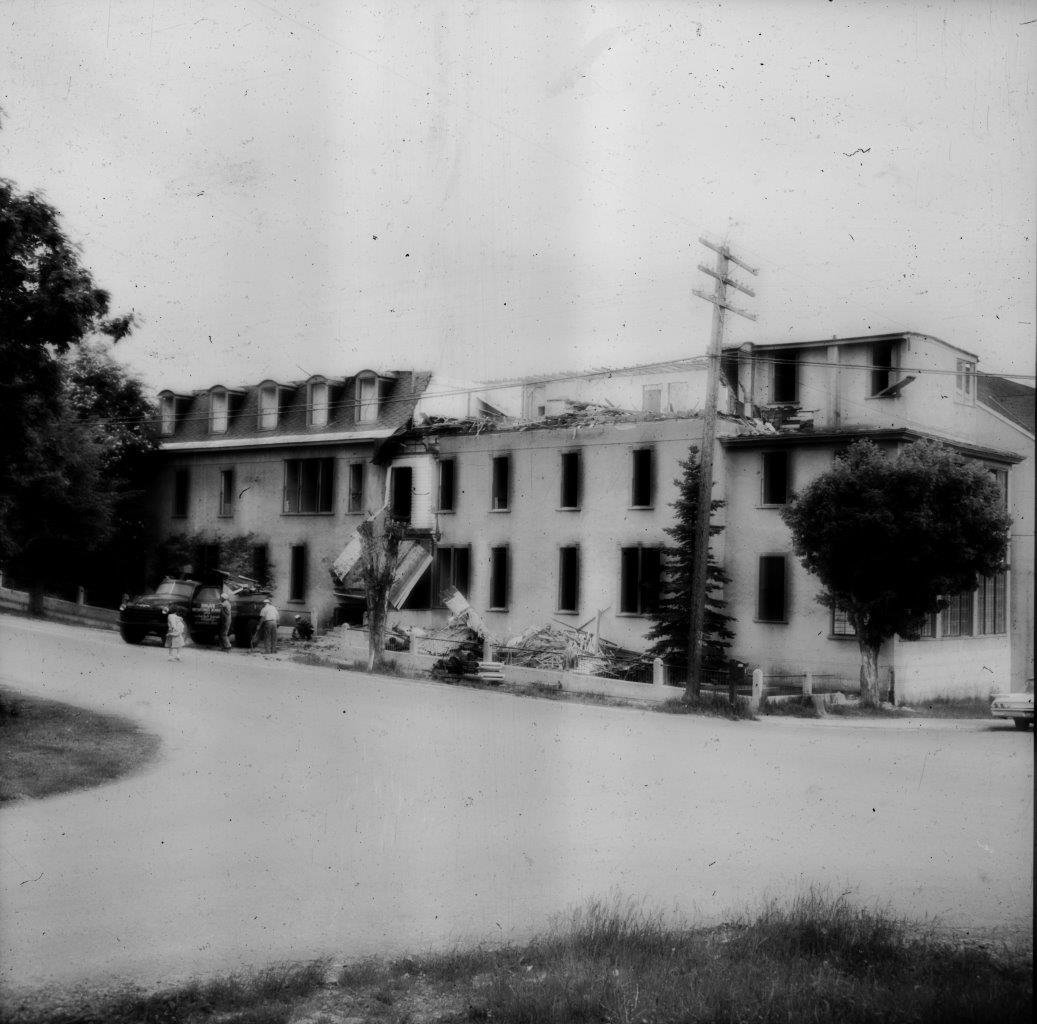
[(699, 576)]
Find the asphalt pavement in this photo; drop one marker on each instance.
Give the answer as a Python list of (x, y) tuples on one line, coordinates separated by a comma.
[(296, 812)]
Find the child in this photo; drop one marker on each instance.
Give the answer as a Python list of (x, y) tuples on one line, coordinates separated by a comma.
[(175, 636)]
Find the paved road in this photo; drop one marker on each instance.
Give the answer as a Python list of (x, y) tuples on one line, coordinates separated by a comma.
[(298, 811)]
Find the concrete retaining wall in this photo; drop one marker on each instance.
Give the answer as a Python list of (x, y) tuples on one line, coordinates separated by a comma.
[(61, 611)]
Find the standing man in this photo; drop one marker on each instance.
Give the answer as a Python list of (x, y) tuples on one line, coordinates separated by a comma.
[(224, 622), (268, 619)]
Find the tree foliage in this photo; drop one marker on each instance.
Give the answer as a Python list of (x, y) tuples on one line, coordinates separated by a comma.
[(891, 534), (672, 619), (63, 411)]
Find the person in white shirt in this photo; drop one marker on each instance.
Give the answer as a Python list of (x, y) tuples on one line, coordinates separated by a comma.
[(176, 628), (268, 619)]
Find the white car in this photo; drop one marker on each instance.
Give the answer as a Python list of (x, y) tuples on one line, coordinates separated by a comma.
[(1016, 706)]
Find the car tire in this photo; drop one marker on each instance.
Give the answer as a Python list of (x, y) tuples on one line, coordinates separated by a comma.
[(1021, 723), (131, 635)]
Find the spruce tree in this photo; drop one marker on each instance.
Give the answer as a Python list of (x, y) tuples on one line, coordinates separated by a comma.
[(670, 631)]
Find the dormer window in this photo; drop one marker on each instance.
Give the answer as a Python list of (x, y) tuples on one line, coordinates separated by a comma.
[(269, 406), (965, 382), (367, 398), (167, 413), (218, 411), (317, 403)]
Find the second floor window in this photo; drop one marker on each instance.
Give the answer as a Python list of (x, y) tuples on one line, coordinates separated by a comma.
[(500, 483), (775, 478), (226, 492), (643, 480), (309, 485), (786, 377), (881, 366), (639, 580), (571, 480), (447, 484), (401, 493), (181, 493), (356, 487)]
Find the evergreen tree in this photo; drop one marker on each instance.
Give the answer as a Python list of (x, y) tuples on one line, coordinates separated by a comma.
[(673, 615)]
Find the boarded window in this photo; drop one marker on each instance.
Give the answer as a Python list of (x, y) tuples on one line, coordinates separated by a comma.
[(309, 485), (956, 618), (297, 573), (992, 595), (453, 566), (356, 487), (775, 478), (181, 493), (881, 366), (571, 480), (771, 595), (500, 581), (786, 377), (447, 485), (643, 482), (639, 580), (501, 483), (227, 492), (401, 493), (569, 579)]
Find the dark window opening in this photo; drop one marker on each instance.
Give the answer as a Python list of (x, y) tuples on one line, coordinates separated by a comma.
[(447, 484), (642, 488), (639, 580), (501, 483), (356, 487), (181, 493), (772, 597), (452, 570), (208, 558), (571, 480), (401, 493), (500, 582), (226, 492), (992, 593), (420, 597), (775, 478), (308, 485), (568, 579), (297, 574), (786, 377), (260, 564), (882, 366)]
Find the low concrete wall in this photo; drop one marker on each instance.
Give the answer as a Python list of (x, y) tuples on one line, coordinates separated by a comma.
[(62, 611), (354, 647), (952, 667)]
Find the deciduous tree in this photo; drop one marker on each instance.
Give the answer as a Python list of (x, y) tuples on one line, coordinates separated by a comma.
[(891, 535), (379, 557)]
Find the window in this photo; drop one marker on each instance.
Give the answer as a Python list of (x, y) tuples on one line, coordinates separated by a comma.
[(308, 485), (356, 487), (218, 412), (775, 478), (317, 404), (786, 377), (571, 480), (652, 398), (642, 485), (771, 596), (925, 629), (501, 483), (447, 484), (678, 397), (1001, 479), (260, 564), (992, 595), (297, 573), (401, 487), (881, 366), (956, 618), (226, 492), (269, 401), (964, 381), (841, 625), (167, 414), (452, 570), (639, 580), (181, 493), (569, 579), (367, 399), (500, 578)]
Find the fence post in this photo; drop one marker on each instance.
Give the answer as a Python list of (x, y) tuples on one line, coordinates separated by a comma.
[(658, 672), (80, 596), (487, 650), (757, 698), (808, 684)]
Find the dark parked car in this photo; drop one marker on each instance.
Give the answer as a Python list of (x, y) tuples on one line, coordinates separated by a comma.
[(199, 605)]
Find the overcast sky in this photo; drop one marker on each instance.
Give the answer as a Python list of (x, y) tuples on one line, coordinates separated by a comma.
[(281, 187)]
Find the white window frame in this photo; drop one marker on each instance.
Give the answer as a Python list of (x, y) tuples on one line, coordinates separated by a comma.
[(219, 411), (269, 406), (965, 382), (318, 412)]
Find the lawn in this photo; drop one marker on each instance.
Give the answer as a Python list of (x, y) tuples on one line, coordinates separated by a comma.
[(819, 958), (47, 747)]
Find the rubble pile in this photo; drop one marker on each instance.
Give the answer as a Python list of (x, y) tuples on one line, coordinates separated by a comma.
[(567, 648)]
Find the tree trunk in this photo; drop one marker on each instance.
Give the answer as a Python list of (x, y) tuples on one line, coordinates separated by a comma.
[(869, 675), (376, 634), (36, 600)]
